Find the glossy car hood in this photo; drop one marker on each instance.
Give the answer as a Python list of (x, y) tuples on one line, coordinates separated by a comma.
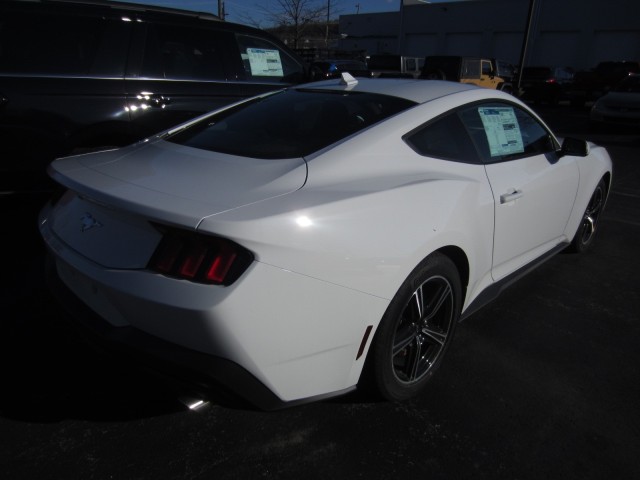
[(622, 99), (178, 184)]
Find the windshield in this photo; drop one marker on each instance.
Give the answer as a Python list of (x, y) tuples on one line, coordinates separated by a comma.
[(289, 124)]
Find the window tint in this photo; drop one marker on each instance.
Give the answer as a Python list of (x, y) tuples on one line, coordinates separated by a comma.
[(183, 53), (264, 61), (64, 45), (502, 132), (444, 138), (288, 124)]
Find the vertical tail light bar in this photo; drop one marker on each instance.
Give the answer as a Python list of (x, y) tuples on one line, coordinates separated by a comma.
[(199, 258)]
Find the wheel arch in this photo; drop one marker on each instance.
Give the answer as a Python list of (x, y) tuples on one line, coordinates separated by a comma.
[(607, 182), (461, 261)]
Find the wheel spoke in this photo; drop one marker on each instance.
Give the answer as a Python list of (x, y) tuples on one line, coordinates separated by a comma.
[(440, 297), (438, 336), (415, 360), (404, 339), (418, 297)]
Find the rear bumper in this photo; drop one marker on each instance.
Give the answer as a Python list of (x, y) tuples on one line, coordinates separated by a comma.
[(190, 369)]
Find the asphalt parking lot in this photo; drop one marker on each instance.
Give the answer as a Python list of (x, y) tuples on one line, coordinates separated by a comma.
[(542, 383)]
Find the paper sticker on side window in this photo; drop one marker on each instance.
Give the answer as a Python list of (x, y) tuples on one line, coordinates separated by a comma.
[(265, 63), (502, 130)]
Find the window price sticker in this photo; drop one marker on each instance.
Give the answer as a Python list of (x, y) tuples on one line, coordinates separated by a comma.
[(265, 63), (502, 130)]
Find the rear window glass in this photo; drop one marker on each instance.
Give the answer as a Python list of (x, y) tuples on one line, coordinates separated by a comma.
[(289, 124)]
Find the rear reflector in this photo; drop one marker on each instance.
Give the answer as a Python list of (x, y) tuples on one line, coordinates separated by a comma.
[(199, 258)]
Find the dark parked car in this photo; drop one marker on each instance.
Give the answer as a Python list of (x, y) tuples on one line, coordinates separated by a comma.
[(619, 106), (546, 84), (592, 84), (84, 76), (324, 69)]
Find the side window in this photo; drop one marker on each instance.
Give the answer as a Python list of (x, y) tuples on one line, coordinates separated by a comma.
[(183, 53), (502, 132), (471, 68), (410, 64), (445, 138), (66, 45), (486, 68), (264, 61)]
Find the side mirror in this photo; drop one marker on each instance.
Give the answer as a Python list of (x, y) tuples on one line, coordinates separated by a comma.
[(574, 147)]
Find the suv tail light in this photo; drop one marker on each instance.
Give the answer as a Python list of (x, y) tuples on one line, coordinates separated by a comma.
[(199, 258)]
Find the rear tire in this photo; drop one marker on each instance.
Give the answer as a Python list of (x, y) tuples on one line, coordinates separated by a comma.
[(416, 330)]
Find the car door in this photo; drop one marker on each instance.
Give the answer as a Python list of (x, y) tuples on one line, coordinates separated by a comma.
[(61, 82), (533, 187), (487, 75), (177, 72)]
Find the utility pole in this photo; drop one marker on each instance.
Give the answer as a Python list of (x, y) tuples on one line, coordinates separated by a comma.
[(221, 13)]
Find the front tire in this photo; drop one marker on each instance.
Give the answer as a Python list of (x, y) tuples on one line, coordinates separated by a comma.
[(588, 226), (417, 329)]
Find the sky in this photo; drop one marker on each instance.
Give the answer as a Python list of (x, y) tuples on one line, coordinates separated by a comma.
[(238, 10)]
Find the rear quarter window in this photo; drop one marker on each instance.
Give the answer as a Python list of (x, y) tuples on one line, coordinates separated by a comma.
[(445, 138)]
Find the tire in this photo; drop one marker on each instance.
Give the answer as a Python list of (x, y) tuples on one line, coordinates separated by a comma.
[(589, 223), (416, 330)]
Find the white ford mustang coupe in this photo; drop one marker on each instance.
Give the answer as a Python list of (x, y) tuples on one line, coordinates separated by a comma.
[(295, 245)]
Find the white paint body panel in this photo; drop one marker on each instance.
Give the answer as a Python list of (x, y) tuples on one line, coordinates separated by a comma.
[(535, 222), (334, 236)]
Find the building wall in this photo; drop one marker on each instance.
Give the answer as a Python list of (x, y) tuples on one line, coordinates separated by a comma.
[(574, 33)]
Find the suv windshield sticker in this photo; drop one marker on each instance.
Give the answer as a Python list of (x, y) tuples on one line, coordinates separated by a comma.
[(265, 63), (502, 130)]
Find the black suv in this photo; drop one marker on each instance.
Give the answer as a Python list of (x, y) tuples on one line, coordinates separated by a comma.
[(77, 76)]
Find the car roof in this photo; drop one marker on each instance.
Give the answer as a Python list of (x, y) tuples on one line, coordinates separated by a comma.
[(416, 90)]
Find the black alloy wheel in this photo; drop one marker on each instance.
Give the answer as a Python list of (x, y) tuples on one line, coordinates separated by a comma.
[(417, 329)]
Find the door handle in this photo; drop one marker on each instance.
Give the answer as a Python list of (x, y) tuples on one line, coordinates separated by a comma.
[(511, 196)]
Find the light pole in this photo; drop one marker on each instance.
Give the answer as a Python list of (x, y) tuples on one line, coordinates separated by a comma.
[(525, 43), (326, 38)]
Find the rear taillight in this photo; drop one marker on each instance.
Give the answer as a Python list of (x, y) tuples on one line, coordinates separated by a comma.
[(200, 258), (551, 80)]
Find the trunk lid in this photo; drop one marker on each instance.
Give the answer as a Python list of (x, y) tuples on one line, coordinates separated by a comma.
[(116, 196)]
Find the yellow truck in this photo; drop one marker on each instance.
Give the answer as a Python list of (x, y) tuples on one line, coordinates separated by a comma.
[(484, 72)]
